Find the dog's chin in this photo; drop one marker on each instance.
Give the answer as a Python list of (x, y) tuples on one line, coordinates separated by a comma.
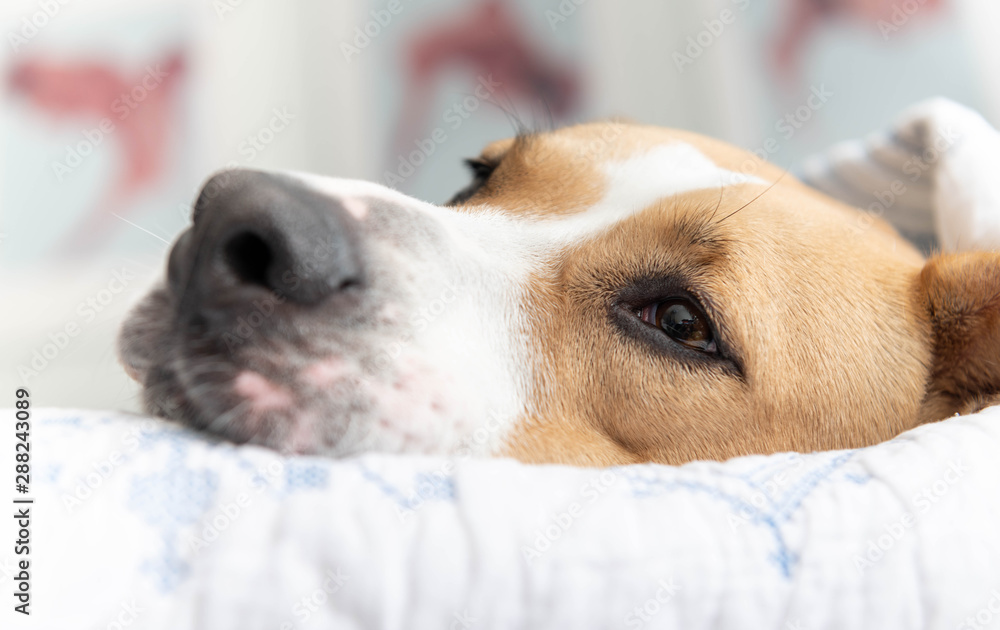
[(347, 418), (335, 399)]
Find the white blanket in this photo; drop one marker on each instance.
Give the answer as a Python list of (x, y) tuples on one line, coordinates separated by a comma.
[(140, 524), (139, 515)]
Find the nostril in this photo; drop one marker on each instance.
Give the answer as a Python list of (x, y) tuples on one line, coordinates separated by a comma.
[(349, 283), (250, 257)]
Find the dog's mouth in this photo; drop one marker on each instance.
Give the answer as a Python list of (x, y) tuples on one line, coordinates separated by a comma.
[(329, 406), (268, 405), (331, 392)]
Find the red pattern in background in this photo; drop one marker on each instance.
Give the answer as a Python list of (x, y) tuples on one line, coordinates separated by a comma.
[(805, 16), (73, 91), (486, 40)]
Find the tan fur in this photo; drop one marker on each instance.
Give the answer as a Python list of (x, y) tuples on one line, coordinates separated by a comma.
[(841, 336)]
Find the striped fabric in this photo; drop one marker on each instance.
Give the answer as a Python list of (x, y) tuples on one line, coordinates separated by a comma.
[(931, 175)]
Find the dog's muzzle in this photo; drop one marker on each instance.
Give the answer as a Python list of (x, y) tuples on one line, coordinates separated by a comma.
[(320, 316)]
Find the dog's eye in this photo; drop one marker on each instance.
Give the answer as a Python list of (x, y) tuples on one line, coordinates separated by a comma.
[(682, 320), (481, 171)]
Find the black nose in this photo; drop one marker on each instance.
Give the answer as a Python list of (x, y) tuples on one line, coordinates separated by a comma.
[(264, 231)]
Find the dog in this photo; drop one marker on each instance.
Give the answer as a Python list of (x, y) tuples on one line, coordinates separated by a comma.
[(602, 294)]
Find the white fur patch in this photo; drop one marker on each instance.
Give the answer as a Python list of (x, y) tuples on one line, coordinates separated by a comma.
[(665, 171), (636, 183)]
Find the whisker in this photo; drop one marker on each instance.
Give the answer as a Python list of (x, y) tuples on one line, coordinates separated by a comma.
[(505, 104), (204, 369), (718, 203), (550, 119), (220, 422), (773, 184)]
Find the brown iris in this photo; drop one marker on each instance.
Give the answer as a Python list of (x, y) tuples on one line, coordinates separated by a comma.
[(682, 321)]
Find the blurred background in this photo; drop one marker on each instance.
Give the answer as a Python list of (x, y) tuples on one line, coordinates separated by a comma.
[(112, 113)]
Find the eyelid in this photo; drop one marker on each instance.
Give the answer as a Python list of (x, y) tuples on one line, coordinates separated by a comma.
[(481, 166), (482, 169)]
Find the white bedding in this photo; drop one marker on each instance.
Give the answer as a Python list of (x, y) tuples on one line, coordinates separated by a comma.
[(140, 524), (135, 514)]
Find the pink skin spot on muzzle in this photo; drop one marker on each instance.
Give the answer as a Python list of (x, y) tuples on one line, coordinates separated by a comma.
[(326, 372), (262, 394), (356, 207)]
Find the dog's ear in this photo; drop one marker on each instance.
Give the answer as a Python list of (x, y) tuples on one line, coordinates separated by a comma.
[(961, 293)]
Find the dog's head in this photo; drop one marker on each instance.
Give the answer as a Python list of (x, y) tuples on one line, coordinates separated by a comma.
[(605, 293)]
